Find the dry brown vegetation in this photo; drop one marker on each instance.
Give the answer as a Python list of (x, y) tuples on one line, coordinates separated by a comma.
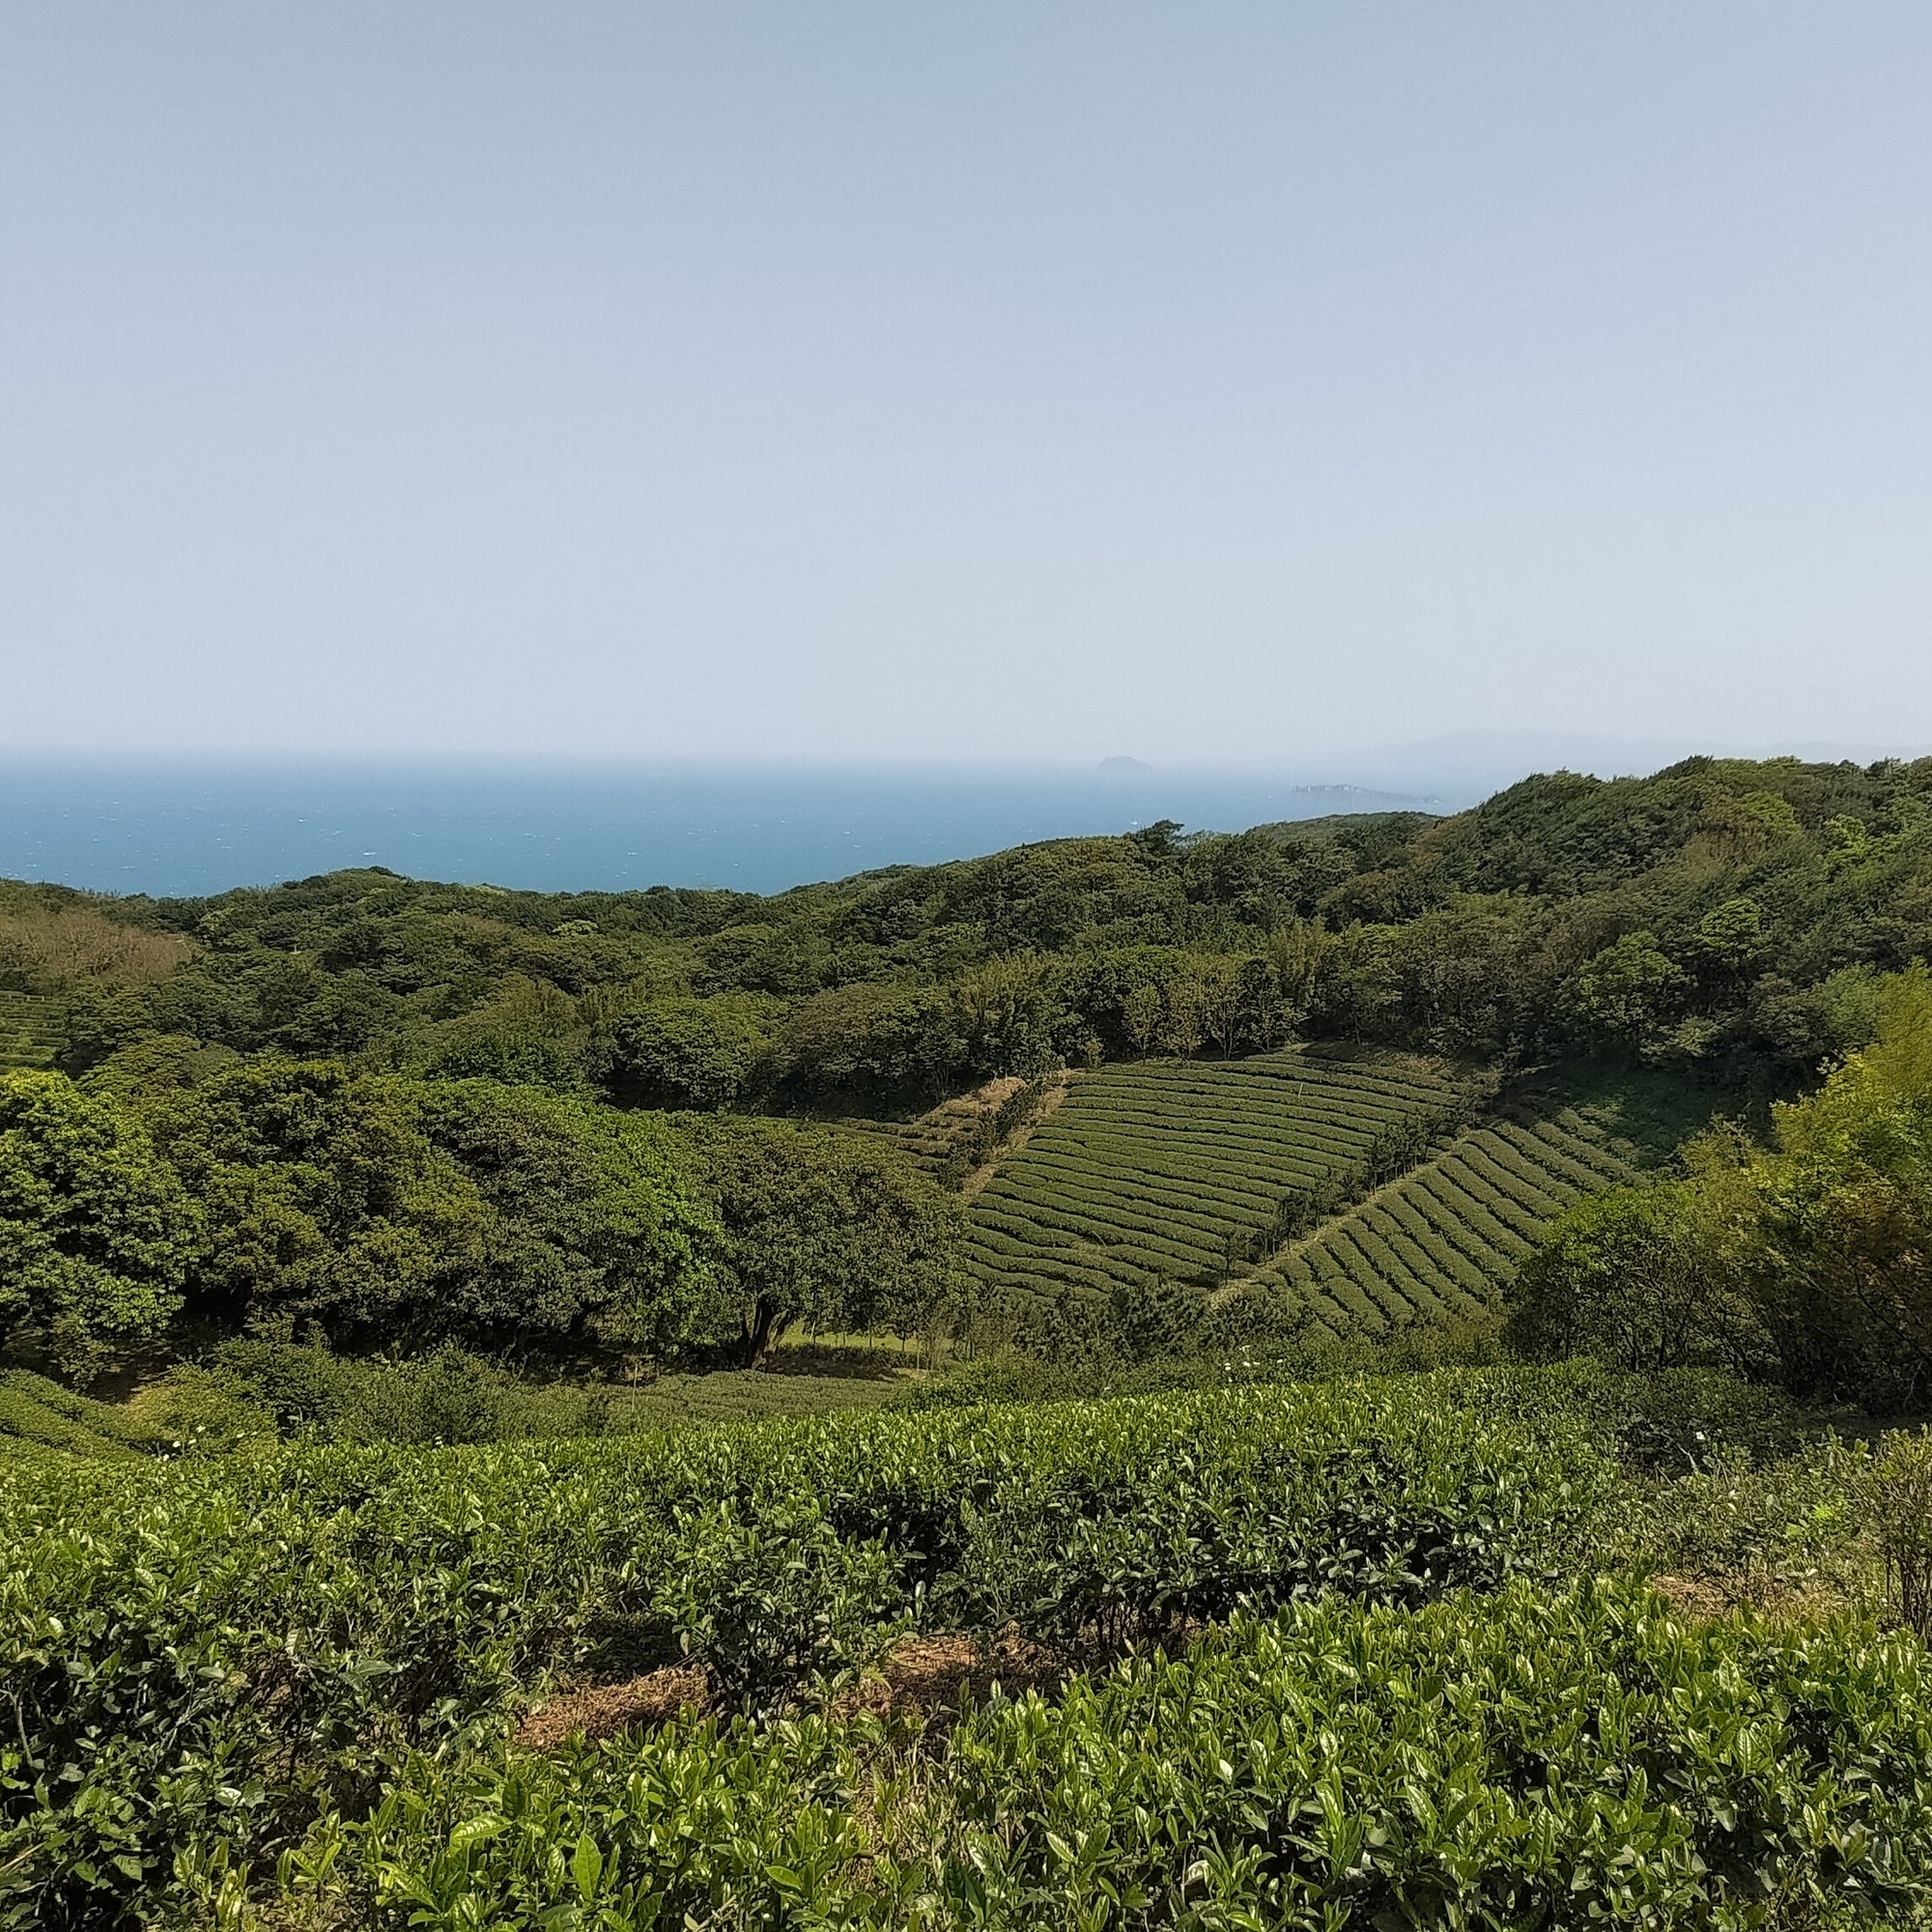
[(56, 947), (930, 1678), (595, 1711)]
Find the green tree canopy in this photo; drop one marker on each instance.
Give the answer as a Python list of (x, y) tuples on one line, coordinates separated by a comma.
[(97, 1235), (681, 1052), (1623, 996), (1810, 1260), (823, 1227), (1633, 1277), (382, 1209)]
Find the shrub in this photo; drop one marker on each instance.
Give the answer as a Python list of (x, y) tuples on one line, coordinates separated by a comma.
[(1895, 1504), (1510, 1762), (218, 1652)]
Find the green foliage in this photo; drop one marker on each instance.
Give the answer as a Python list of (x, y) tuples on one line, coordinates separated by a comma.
[(1809, 1261), (385, 1210), (530, 1033), (769, 1595), (1676, 1419), (1894, 1503), (593, 1228), (219, 1652), (34, 1409), (1625, 994), (1338, 1766), (696, 1053), (30, 1030), (244, 1391), (97, 1235), (824, 1227), (1759, 1530), (1629, 1276)]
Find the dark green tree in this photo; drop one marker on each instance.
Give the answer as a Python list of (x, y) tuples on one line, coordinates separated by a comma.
[(383, 1210), (822, 1227), (96, 1236), (681, 1052)]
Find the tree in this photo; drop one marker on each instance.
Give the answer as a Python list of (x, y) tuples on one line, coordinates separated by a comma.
[(1727, 940), (1140, 1016), (1633, 1277), (1355, 987), (1218, 1000), (1624, 994), (821, 1226), (1809, 1260), (590, 1230), (392, 1212), (1295, 950), (96, 1238), (1006, 1011), (1830, 1230), (1181, 1020), (1740, 827), (1471, 975), (874, 1039), (696, 1053), (326, 1204), (530, 1034)]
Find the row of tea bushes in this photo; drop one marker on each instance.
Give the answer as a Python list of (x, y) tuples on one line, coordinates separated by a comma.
[(1502, 1761), (1170, 1167), (218, 1651)]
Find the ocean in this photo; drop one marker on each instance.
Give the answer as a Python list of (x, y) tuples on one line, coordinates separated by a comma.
[(191, 827)]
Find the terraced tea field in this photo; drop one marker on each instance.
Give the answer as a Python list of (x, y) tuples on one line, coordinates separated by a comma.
[(29, 1031), (1158, 1166), (1440, 1242), (932, 1140)]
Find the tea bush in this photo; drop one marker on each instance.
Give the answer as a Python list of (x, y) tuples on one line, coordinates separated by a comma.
[(1506, 1761), (216, 1651)]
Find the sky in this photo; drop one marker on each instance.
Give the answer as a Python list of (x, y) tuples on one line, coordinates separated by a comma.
[(1209, 384)]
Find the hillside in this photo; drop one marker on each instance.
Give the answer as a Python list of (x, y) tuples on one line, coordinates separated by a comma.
[(1165, 1060), (1444, 1242), (1365, 1191), (31, 1033), (445, 1244)]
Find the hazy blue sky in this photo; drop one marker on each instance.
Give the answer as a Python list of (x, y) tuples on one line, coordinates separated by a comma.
[(1195, 382)]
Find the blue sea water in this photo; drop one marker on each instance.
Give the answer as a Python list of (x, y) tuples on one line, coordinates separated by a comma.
[(190, 827)]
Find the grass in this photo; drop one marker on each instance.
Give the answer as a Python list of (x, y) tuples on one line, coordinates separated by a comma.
[(743, 1395)]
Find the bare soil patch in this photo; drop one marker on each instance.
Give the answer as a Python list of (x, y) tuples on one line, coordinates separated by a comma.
[(931, 1678), (602, 1710), (937, 1677)]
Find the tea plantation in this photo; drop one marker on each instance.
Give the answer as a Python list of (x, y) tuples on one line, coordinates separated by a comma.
[(1174, 1166), (1287, 1657), (1367, 1192), (30, 1030), (1442, 1241)]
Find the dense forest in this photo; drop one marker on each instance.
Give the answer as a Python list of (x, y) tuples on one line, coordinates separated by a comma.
[(1720, 908)]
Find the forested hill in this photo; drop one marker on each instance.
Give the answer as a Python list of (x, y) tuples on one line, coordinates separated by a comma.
[(1717, 914)]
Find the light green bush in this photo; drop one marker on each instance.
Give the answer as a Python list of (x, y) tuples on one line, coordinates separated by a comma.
[(1512, 1761)]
